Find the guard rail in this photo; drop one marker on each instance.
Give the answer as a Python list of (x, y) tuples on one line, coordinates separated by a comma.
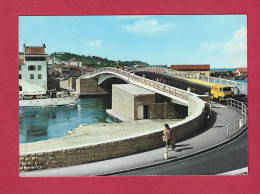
[(240, 85), (235, 126)]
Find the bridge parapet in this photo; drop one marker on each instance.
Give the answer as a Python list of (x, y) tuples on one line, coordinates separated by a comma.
[(164, 89)]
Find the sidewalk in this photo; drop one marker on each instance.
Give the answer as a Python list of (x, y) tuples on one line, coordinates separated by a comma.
[(213, 133)]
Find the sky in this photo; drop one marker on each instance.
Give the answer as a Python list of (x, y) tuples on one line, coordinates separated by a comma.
[(218, 40)]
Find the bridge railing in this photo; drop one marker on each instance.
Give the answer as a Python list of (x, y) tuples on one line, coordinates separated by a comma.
[(240, 85), (235, 126), (157, 85)]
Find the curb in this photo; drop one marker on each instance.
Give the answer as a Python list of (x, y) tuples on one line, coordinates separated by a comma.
[(241, 171), (176, 159)]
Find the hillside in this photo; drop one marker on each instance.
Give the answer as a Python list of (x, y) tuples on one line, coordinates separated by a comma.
[(93, 61)]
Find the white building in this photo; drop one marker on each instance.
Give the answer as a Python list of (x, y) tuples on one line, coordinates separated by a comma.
[(53, 61), (33, 70), (73, 61)]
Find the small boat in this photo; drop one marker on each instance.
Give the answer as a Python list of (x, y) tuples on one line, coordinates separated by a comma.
[(70, 131), (50, 98)]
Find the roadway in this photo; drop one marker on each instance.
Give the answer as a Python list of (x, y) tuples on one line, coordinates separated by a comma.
[(183, 83), (226, 158), (175, 82)]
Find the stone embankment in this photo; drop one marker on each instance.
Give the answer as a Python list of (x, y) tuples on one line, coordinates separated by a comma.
[(136, 136), (90, 143)]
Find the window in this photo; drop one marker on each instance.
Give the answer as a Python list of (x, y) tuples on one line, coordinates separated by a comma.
[(31, 76), (20, 68), (227, 89), (20, 76), (39, 76), (39, 67), (31, 67)]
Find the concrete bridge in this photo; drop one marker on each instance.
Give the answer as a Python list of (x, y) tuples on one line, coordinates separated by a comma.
[(91, 152), (101, 75)]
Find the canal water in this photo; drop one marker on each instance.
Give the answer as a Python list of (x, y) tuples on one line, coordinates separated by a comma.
[(42, 123)]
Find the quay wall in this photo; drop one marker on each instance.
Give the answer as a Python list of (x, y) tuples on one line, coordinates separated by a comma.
[(87, 153)]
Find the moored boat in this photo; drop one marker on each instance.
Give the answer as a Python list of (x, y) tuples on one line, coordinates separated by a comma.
[(50, 98)]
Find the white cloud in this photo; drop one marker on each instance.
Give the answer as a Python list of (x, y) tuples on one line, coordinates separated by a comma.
[(147, 27), (130, 17), (237, 43), (93, 44), (240, 34)]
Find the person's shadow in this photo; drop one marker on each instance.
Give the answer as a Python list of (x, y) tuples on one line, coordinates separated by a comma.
[(181, 147)]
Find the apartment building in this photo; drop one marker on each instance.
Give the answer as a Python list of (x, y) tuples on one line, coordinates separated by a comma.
[(33, 70)]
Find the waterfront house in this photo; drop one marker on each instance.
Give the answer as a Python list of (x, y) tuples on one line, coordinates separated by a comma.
[(85, 70), (33, 69)]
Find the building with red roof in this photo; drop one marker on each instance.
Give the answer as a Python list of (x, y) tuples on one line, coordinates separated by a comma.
[(67, 71), (33, 69), (240, 72), (33, 50), (197, 69)]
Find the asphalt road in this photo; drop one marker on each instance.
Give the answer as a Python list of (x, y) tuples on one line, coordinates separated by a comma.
[(175, 82), (226, 158)]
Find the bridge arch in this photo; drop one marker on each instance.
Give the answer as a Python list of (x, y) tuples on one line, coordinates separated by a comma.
[(105, 76)]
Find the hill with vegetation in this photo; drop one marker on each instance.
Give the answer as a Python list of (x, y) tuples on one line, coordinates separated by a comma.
[(93, 61)]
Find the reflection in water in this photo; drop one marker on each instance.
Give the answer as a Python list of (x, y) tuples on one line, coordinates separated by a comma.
[(41, 123)]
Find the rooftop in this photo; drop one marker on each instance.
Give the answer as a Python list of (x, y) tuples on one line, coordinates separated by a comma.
[(218, 71), (133, 89), (190, 67), (79, 68), (242, 70), (34, 51)]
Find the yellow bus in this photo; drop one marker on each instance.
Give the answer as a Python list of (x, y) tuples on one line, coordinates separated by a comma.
[(221, 91)]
